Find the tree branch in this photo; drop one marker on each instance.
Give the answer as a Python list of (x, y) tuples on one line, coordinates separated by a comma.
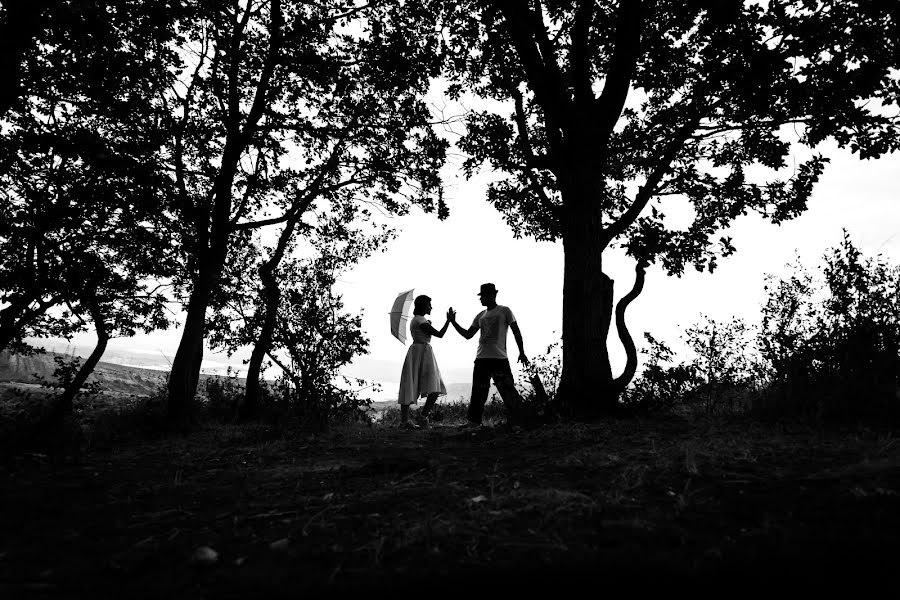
[(630, 351), (580, 54), (527, 150), (262, 88), (647, 190), (621, 69), (527, 33)]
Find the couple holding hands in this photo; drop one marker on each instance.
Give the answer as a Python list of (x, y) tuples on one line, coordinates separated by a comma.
[(421, 376)]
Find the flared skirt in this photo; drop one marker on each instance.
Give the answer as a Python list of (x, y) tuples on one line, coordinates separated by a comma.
[(421, 375)]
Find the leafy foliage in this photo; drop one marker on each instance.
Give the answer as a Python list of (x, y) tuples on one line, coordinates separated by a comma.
[(538, 384), (82, 188), (318, 339), (710, 92), (828, 346), (723, 351), (660, 387), (64, 374), (833, 343)]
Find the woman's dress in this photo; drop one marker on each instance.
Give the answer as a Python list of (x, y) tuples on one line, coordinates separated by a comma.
[(421, 375)]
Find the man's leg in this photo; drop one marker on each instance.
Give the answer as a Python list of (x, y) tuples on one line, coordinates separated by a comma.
[(481, 384), (506, 385)]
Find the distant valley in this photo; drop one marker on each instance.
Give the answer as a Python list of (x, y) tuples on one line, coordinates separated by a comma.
[(141, 381)]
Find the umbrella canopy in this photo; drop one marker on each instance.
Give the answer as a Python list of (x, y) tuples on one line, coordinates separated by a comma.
[(399, 315)]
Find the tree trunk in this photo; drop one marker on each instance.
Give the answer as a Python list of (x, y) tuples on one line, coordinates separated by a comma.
[(270, 298), (185, 372), (587, 388), (65, 401)]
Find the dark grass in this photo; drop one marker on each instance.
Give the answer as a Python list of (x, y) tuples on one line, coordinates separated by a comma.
[(681, 503)]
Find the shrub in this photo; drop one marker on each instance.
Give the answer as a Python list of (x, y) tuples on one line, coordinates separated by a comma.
[(538, 384), (221, 396), (660, 388), (833, 345)]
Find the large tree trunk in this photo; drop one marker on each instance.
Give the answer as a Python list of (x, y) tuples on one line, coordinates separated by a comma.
[(587, 388), (271, 296), (185, 372)]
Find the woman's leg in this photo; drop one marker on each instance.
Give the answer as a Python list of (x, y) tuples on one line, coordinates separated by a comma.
[(404, 413), (430, 401)]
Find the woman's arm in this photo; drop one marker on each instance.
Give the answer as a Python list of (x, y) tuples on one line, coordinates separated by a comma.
[(430, 330)]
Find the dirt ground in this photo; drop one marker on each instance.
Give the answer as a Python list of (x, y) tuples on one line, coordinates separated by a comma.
[(723, 506)]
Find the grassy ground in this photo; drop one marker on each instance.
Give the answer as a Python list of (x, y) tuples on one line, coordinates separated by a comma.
[(676, 503)]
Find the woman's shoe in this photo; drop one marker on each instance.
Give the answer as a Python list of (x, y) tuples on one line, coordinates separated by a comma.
[(410, 425)]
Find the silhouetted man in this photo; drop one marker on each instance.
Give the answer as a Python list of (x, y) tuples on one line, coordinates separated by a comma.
[(491, 360)]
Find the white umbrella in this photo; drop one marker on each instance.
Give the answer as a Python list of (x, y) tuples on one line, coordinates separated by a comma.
[(399, 317)]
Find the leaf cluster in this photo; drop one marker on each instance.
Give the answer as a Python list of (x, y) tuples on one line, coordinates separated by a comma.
[(719, 97), (82, 182)]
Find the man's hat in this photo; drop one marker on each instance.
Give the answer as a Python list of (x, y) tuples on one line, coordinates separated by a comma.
[(487, 288)]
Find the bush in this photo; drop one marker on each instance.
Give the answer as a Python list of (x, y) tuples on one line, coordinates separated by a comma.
[(833, 346), (222, 395), (538, 385), (660, 388)]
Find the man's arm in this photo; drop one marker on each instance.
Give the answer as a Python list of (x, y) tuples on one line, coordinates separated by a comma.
[(514, 326), (466, 333)]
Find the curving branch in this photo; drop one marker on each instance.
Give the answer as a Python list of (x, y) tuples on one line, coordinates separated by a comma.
[(631, 352), (648, 190)]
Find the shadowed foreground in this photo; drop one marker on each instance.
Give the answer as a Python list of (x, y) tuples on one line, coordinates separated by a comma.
[(672, 504)]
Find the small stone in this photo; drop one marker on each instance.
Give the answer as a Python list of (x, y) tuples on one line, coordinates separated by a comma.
[(204, 555), (279, 544)]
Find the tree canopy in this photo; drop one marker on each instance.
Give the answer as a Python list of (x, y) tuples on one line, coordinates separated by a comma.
[(84, 194)]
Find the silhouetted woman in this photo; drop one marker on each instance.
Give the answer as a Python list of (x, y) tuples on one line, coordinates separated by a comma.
[(421, 375)]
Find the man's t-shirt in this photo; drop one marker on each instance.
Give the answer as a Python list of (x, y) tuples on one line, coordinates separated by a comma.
[(493, 325)]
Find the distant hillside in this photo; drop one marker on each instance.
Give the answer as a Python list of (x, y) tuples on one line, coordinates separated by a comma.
[(113, 378), (144, 382)]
